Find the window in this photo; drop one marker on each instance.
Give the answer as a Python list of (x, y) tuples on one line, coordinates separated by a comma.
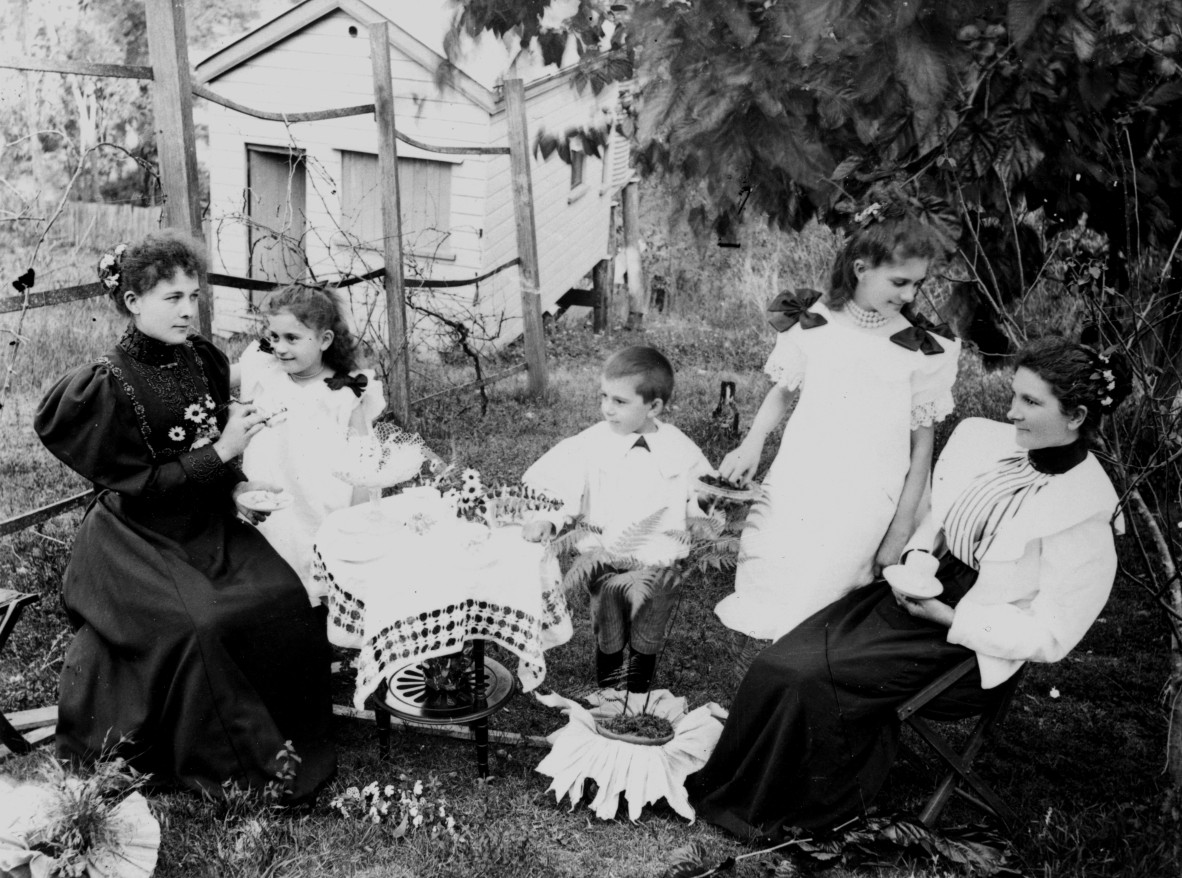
[(425, 195), (276, 203), (577, 159)]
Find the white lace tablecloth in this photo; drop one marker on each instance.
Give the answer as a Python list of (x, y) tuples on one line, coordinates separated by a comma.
[(429, 582)]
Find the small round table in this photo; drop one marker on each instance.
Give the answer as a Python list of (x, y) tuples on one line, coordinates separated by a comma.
[(407, 695), (428, 587)]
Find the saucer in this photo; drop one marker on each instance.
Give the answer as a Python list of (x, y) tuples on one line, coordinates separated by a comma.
[(265, 501), (910, 582)]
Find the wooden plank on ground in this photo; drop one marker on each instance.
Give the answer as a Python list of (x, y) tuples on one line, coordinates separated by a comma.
[(35, 737), (463, 733), (33, 719)]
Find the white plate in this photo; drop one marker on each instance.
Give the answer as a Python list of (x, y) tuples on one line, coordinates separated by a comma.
[(910, 582), (738, 495), (265, 501)]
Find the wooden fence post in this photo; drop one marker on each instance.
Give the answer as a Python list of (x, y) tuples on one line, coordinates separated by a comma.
[(604, 280), (172, 101), (527, 236), (637, 297), (383, 94)]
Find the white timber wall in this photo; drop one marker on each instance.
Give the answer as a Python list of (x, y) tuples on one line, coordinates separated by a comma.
[(572, 224), (323, 67)]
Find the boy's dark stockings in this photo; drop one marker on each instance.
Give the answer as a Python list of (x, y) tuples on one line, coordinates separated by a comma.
[(640, 671), (607, 667)]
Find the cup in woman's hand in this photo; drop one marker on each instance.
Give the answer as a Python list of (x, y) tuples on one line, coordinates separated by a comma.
[(924, 563), (916, 576)]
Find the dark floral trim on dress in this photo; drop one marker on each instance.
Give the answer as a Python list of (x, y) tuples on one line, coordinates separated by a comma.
[(202, 465), (169, 378)]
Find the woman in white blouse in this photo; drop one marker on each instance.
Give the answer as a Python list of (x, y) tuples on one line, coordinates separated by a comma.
[(1021, 520)]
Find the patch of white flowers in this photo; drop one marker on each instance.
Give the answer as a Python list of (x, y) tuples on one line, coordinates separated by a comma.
[(419, 808)]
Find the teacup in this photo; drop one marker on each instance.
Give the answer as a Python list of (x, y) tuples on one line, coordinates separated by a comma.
[(922, 562)]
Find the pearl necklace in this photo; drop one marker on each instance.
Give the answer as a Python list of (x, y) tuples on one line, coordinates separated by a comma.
[(300, 378), (864, 317)]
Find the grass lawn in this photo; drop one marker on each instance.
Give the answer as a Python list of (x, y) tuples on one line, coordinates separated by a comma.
[(1079, 759)]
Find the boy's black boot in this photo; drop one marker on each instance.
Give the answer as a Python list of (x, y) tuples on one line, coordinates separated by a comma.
[(607, 668), (640, 671)]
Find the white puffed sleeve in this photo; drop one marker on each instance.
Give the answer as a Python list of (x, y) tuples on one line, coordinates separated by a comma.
[(253, 367), (931, 385), (786, 363), (560, 473), (373, 400), (1076, 567)]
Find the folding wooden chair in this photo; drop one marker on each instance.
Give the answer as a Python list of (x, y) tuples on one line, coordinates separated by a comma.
[(960, 772), (12, 604)]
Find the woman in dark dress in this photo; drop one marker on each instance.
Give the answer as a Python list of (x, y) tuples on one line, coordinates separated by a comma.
[(1021, 519), (195, 653)]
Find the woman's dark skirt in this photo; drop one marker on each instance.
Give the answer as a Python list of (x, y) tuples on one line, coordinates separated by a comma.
[(813, 733), (195, 655)]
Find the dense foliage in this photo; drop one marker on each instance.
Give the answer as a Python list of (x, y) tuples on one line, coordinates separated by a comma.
[(981, 112)]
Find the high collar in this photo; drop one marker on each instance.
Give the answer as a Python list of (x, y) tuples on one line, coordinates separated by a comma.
[(1058, 459), (147, 350)]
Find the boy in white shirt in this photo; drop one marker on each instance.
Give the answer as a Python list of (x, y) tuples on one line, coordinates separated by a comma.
[(620, 471)]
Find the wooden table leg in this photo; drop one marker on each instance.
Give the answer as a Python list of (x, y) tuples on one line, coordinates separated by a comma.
[(383, 720), (480, 727)]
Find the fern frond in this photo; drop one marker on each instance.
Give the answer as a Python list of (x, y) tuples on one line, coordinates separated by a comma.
[(636, 534), (582, 568), (639, 585)]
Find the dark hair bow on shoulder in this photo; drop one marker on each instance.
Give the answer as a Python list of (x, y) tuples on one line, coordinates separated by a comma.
[(920, 335), (356, 383), (789, 308)]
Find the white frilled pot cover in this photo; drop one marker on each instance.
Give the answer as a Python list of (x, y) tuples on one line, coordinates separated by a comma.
[(643, 773), (27, 810)]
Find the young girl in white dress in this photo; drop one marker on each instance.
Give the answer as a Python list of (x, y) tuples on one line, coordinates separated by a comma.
[(873, 377), (304, 371)]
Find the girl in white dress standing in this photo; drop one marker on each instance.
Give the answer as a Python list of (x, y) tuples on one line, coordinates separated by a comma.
[(305, 371), (873, 377)]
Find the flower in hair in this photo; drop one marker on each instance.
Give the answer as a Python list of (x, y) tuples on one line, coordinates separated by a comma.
[(110, 268), (1106, 402), (868, 214)]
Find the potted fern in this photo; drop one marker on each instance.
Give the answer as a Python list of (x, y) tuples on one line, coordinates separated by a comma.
[(640, 746)]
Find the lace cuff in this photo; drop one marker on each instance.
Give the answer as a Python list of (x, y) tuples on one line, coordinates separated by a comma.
[(925, 414), (202, 465)]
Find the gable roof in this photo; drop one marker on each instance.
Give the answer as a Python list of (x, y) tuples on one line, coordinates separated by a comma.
[(475, 77)]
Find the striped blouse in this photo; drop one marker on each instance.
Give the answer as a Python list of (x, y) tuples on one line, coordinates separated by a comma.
[(996, 496)]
